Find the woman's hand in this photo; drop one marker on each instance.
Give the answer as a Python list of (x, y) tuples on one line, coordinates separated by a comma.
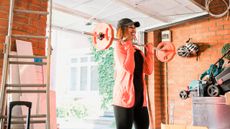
[(149, 48), (127, 44), (127, 38)]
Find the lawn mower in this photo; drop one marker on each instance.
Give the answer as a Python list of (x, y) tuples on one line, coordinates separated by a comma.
[(218, 82)]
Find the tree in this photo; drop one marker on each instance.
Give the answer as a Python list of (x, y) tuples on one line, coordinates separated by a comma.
[(106, 74)]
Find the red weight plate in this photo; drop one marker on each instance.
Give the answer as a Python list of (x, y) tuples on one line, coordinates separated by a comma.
[(104, 42), (166, 51)]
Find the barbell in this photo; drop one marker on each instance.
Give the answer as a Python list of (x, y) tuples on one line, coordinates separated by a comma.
[(103, 37)]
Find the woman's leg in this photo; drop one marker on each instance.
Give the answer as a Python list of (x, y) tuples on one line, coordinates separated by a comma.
[(123, 117), (141, 118)]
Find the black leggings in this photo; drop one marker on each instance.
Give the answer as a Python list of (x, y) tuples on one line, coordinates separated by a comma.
[(125, 117)]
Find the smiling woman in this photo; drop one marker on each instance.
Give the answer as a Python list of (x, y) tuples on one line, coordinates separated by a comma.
[(131, 65)]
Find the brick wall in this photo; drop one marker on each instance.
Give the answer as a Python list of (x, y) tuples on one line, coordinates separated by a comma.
[(28, 24), (211, 34), (156, 85)]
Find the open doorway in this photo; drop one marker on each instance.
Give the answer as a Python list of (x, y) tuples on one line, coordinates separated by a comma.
[(82, 100)]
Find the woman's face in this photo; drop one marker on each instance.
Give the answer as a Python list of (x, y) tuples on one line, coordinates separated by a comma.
[(132, 32)]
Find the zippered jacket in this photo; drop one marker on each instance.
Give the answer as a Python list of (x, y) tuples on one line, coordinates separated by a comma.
[(123, 91)]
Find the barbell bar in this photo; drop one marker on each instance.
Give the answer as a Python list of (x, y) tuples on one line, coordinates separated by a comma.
[(103, 36)]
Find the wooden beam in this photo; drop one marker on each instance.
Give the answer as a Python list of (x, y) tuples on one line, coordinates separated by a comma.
[(74, 12), (56, 27), (176, 23)]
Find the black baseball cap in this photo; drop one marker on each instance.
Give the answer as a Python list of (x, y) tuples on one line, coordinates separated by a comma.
[(126, 22)]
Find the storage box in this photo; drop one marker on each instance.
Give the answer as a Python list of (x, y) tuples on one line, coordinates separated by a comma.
[(211, 112)]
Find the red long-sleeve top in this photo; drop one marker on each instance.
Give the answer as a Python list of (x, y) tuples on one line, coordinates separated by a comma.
[(123, 92)]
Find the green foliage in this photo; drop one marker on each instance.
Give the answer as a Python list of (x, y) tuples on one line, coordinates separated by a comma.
[(73, 110), (106, 74)]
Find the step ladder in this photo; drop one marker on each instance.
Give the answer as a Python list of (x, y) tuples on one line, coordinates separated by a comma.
[(6, 88)]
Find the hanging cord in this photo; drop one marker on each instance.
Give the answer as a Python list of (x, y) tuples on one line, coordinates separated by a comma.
[(207, 5)]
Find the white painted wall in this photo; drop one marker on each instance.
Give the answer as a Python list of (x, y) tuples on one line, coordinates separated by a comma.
[(65, 44)]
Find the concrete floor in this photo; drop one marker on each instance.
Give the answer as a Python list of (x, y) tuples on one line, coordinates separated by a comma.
[(99, 123)]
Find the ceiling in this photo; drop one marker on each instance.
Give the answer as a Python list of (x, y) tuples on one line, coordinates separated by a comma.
[(83, 15)]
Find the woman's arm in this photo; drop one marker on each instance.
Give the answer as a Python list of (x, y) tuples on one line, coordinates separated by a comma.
[(124, 56), (148, 64)]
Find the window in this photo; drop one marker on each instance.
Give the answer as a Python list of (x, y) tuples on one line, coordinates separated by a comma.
[(74, 60), (94, 78), (83, 78), (83, 74), (73, 76), (84, 59)]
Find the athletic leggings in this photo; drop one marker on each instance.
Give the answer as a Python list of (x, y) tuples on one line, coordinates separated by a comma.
[(125, 117)]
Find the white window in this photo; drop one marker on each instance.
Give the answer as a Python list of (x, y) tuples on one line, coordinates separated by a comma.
[(83, 74)]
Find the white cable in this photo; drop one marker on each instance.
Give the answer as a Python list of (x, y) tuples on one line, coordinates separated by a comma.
[(207, 3)]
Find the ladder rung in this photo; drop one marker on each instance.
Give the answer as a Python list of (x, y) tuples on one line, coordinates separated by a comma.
[(28, 63), (38, 115), (28, 36), (31, 11), (24, 116), (25, 56), (31, 121), (26, 91), (25, 85)]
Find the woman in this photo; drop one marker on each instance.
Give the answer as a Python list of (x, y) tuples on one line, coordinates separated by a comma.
[(131, 65)]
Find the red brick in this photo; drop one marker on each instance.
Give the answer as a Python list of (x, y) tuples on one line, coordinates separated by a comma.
[(181, 71), (226, 36), (3, 32), (4, 9), (215, 28), (4, 3), (226, 27), (21, 23), (41, 45), (223, 22), (201, 30), (21, 19), (223, 32), (3, 15), (3, 22), (1, 46)]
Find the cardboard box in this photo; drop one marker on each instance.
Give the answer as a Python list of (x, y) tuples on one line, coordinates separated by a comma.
[(165, 126), (227, 98)]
